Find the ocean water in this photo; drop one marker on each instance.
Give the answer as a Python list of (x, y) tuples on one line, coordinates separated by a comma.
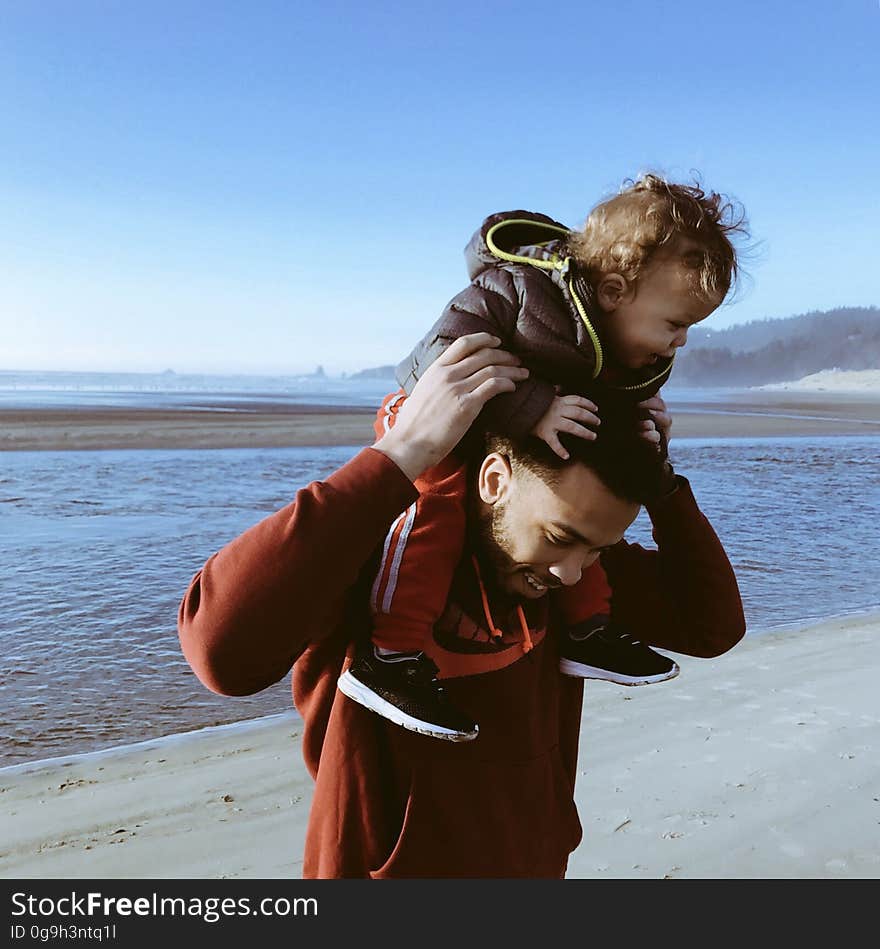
[(97, 548), (101, 390), (168, 390)]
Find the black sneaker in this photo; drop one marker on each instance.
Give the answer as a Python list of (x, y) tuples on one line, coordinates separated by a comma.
[(605, 651), (404, 689)]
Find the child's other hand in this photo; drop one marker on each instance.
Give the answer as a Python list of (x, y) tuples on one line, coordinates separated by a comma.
[(657, 425), (567, 413)]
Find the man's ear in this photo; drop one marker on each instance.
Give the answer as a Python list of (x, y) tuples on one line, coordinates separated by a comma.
[(493, 481), (613, 290)]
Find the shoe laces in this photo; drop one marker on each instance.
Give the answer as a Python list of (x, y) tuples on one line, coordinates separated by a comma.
[(422, 672), (632, 642), (609, 633)]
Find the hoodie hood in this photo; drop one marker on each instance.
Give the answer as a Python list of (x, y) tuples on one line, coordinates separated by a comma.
[(536, 240)]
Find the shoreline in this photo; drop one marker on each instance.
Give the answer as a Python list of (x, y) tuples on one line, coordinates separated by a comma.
[(761, 763), (240, 727), (870, 615), (214, 424)]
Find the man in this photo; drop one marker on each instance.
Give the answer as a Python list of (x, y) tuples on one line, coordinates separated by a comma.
[(294, 589)]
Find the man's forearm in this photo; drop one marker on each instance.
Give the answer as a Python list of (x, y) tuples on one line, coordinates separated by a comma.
[(683, 596)]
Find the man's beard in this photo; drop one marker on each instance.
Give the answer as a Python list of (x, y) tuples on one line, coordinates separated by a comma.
[(490, 541)]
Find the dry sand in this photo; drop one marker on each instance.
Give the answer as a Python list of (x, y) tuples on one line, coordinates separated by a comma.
[(275, 426), (833, 380), (759, 413), (763, 763)]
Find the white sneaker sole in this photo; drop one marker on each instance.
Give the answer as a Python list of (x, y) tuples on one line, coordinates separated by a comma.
[(580, 671), (358, 692)]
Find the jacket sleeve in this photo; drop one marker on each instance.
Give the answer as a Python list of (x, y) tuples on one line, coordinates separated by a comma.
[(491, 304), (257, 603), (683, 596)]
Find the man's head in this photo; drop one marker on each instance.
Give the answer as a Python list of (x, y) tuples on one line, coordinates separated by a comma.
[(540, 521), (659, 258)]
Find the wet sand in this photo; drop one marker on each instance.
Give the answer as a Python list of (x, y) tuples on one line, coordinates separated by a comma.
[(215, 425), (99, 429), (759, 764)]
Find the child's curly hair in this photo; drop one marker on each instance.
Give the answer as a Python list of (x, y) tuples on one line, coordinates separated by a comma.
[(622, 235)]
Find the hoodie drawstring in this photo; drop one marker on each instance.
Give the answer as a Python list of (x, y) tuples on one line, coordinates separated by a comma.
[(494, 631)]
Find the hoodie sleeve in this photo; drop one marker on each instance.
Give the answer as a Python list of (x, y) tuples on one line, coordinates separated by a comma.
[(260, 601), (491, 304), (683, 596)]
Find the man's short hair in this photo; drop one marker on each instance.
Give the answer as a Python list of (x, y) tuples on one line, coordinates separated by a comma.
[(628, 465)]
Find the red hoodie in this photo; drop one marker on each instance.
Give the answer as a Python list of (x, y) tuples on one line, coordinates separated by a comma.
[(293, 591)]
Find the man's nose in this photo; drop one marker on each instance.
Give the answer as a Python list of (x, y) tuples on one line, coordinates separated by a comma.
[(681, 338), (569, 571)]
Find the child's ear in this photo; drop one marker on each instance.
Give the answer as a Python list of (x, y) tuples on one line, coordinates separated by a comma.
[(612, 291)]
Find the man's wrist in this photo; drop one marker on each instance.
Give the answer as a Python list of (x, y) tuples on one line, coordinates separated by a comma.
[(666, 484), (410, 458)]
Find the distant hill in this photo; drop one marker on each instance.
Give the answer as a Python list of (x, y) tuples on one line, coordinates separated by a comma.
[(380, 372), (781, 350), (765, 351), (751, 336)]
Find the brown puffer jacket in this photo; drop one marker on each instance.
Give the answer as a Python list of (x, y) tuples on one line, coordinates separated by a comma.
[(526, 290)]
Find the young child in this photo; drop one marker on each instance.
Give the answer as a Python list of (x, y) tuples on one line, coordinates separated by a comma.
[(599, 311)]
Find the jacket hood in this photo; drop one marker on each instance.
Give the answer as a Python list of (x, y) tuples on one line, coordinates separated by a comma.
[(536, 240), (504, 236)]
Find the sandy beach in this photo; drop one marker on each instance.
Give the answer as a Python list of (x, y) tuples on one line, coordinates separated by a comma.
[(763, 763), (212, 427), (750, 413), (850, 381)]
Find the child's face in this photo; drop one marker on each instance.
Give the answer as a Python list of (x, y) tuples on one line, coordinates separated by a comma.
[(650, 320)]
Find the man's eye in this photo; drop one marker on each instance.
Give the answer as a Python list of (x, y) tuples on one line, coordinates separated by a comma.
[(558, 541)]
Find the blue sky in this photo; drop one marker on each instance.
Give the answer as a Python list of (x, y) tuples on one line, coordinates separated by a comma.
[(265, 186)]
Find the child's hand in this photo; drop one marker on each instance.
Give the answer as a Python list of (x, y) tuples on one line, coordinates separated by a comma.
[(658, 424), (566, 413)]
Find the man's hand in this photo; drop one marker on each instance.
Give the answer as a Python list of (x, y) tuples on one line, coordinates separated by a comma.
[(656, 428), (447, 399), (567, 413)]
